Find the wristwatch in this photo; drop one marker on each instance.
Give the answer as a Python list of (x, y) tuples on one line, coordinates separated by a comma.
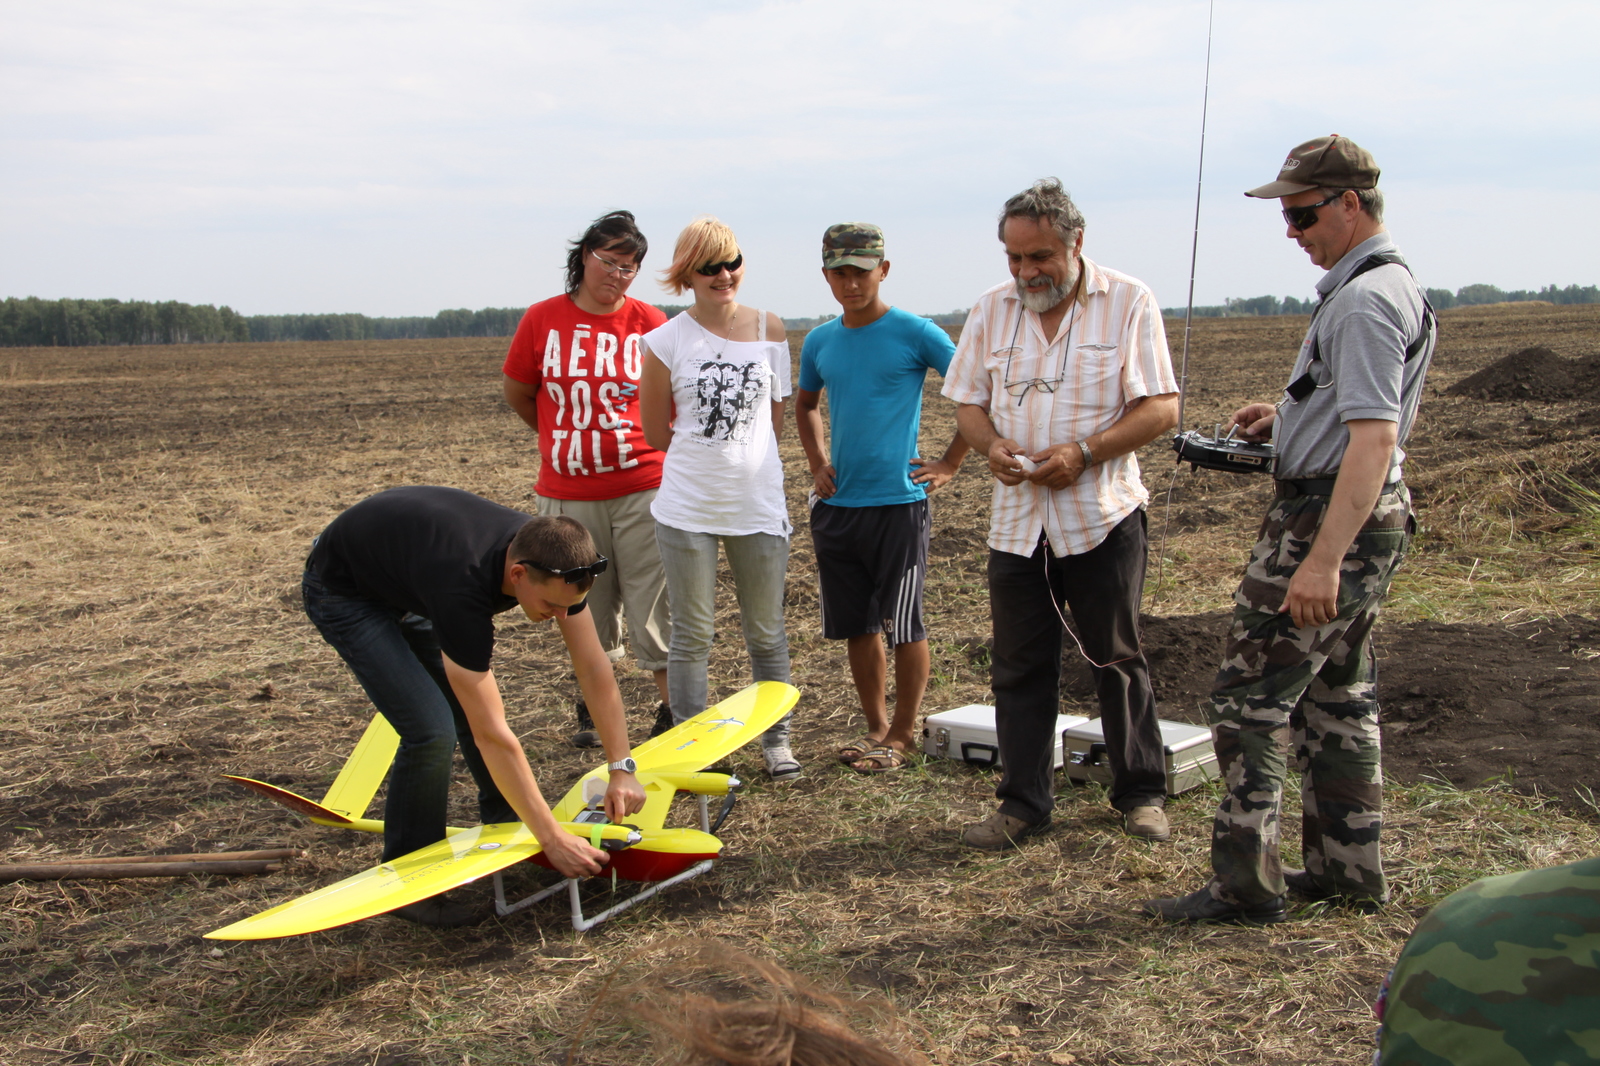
[(627, 765)]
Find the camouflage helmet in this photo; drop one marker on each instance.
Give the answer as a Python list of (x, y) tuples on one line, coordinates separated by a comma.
[(857, 244)]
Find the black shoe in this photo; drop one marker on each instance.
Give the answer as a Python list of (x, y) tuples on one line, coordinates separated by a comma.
[(1303, 883), (585, 737), (1202, 906), (664, 720), (440, 912)]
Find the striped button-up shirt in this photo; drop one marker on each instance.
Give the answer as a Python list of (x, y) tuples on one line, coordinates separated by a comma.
[(1110, 351)]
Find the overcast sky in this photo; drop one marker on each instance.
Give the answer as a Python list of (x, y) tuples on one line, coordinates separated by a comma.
[(399, 158)]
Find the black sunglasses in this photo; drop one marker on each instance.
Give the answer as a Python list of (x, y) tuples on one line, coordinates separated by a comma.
[(573, 576), (1303, 218), (711, 270)]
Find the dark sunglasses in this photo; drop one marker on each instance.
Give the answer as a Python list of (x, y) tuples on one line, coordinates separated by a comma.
[(1303, 218), (711, 270), (573, 576)]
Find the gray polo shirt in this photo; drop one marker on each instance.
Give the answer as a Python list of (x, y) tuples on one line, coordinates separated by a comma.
[(1362, 334)]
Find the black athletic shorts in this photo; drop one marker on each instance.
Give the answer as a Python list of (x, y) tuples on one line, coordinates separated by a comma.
[(871, 563)]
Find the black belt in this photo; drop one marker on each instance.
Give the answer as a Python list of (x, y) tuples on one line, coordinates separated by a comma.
[(1289, 488)]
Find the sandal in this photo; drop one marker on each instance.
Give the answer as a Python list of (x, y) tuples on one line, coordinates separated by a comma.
[(856, 750), (882, 759)]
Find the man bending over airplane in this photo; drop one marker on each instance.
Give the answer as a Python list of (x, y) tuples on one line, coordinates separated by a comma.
[(405, 586)]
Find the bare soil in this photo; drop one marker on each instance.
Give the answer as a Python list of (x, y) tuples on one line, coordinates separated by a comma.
[(156, 504)]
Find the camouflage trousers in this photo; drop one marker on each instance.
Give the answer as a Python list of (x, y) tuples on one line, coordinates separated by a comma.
[(1310, 690)]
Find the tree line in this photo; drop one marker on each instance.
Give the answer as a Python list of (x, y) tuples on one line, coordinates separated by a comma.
[(1442, 299), (32, 322)]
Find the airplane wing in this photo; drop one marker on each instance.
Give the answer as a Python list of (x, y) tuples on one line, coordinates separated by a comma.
[(452, 862), (710, 735), (667, 763)]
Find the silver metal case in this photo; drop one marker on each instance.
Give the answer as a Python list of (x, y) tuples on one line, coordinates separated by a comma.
[(1191, 760), (967, 734)]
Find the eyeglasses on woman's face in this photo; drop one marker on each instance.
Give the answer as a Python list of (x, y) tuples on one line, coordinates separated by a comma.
[(626, 273)]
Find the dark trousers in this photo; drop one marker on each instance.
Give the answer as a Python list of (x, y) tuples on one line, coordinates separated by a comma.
[(1102, 588), (395, 656)]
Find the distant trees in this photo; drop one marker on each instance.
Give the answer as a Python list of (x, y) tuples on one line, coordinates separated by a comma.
[(489, 322), (1247, 306), (1466, 296), (36, 322), (33, 322), (1471, 295)]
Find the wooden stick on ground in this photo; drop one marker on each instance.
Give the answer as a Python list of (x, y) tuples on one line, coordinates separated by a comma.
[(107, 867), (82, 871), (216, 856)]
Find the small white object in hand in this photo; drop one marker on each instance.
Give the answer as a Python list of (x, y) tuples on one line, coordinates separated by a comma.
[(1028, 465)]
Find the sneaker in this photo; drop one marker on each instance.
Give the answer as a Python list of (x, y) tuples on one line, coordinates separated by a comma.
[(781, 763), (1202, 906), (664, 720), (585, 737), (1001, 831), (1148, 822), (440, 912)]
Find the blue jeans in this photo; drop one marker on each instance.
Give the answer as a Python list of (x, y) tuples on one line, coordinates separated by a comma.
[(759, 562), (395, 655)]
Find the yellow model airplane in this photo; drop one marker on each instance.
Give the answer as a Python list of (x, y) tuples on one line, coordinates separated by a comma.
[(643, 850)]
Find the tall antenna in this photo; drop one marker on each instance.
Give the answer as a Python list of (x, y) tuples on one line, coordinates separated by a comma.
[(1194, 247)]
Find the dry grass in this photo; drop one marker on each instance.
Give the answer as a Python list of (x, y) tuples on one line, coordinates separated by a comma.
[(154, 508)]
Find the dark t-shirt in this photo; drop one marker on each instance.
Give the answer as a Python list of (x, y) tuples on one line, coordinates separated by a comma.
[(433, 551)]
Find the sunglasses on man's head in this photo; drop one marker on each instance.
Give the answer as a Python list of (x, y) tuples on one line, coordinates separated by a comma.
[(711, 270), (1303, 218), (575, 575)]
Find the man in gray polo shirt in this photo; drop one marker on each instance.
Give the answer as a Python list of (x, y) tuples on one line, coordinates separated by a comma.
[(1298, 663)]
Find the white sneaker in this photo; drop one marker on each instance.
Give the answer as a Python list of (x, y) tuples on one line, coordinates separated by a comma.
[(781, 763)]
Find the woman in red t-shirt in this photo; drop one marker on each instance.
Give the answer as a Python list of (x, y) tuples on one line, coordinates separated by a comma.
[(573, 375)]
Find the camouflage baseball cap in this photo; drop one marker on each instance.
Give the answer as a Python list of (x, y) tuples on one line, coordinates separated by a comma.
[(857, 244), (1331, 162)]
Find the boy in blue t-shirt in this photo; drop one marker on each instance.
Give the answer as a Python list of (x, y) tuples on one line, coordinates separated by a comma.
[(869, 511)]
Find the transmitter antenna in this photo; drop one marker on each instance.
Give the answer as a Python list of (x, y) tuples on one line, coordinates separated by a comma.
[(1194, 246)]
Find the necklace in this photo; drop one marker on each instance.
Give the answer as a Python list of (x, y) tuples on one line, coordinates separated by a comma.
[(725, 340)]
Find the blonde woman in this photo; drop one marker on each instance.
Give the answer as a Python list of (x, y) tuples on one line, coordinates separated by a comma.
[(711, 398)]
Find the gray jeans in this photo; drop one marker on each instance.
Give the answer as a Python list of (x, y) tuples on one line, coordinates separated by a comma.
[(759, 562)]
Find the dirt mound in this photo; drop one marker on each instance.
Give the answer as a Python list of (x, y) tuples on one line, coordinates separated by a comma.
[(1531, 374), (1466, 703)]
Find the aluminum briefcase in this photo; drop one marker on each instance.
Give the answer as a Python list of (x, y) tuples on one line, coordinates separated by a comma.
[(967, 734), (1191, 760)]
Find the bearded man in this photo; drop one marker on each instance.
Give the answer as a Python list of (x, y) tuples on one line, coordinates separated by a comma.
[(1061, 374)]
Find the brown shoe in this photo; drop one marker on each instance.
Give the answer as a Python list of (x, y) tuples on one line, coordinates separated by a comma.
[(1149, 822), (1001, 831)]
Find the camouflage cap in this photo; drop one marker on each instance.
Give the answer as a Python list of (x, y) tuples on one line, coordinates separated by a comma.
[(857, 244), (1331, 162)]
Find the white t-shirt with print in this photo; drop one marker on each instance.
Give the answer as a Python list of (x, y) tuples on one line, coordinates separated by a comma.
[(722, 474)]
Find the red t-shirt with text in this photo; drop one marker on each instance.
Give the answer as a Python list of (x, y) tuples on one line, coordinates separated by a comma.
[(586, 368)]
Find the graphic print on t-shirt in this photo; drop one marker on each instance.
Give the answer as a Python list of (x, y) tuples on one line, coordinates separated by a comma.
[(585, 370), (580, 405), (726, 397)]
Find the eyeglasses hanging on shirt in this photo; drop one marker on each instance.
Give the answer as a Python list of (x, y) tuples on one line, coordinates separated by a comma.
[(1020, 389)]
